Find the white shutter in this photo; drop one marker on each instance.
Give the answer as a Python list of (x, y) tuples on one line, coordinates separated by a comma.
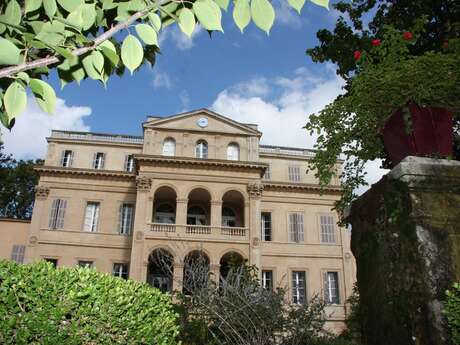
[(53, 214), (71, 159), (61, 213), (63, 158), (96, 217), (95, 161), (292, 233), (120, 219), (300, 233), (326, 287)]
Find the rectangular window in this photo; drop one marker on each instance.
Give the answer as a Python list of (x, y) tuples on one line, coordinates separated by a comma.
[(85, 263), (125, 219), (294, 173), (57, 214), (17, 254), (67, 158), (120, 270), (53, 262), (91, 216), (267, 279), (266, 220), (327, 229), (99, 160), (267, 174), (298, 287), (296, 233), (331, 288), (129, 163)]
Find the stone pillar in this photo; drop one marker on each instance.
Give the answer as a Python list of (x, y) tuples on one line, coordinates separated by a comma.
[(178, 277), (216, 213), (181, 211), (143, 185), (405, 238), (255, 190), (38, 216)]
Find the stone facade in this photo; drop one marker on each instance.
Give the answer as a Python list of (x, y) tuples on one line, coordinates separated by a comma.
[(193, 181)]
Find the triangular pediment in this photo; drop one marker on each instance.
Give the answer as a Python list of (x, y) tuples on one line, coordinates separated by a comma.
[(202, 120)]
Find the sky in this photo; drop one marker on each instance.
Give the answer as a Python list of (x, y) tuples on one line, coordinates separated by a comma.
[(250, 77)]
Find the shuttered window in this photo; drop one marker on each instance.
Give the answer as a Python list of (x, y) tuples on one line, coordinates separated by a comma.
[(57, 214), (91, 216), (299, 295), (67, 158), (267, 279), (296, 233), (99, 160), (85, 263), (129, 163), (120, 270), (294, 173), (266, 224), (169, 147), (331, 288), (327, 229), (17, 254), (233, 152), (201, 149), (267, 174), (125, 219)]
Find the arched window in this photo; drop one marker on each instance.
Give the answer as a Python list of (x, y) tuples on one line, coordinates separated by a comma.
[(196, 216), (201, 149), (228, 217), (169, 147), (165, 214), (233, 152)]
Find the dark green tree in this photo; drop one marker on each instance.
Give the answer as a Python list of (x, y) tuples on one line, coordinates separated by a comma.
[(18, 180)]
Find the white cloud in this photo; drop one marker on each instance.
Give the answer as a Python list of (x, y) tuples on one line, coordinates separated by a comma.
[(27, 138), (161, 79), (178, 38), (281, 106), (184, 98), (286, 15)]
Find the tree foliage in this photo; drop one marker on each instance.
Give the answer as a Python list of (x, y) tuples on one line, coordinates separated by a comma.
[(98, 38), (18, 180), (452, 312), (43, 305)]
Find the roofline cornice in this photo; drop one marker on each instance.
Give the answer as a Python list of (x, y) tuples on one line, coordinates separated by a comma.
[(302, 186), (52, 170)]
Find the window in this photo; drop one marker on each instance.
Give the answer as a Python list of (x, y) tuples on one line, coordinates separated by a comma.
[(120, 270), (125, 219), (169, 147), (85, 263), (201, 149), (67, 158), (129, 163), (267, 174), (266, 220), (298, 287), (267, 279), (91, 216), (327, 229), (233, 152), (99, 160), (228, 217), (296, 227), (294, 173), (57, 214), (331, 288), (165, 214), (196, 216), (53, 262), (17, 254)]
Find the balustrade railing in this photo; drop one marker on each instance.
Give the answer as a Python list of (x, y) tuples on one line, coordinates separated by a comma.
[(198, 229), (232, 231), (192, 230), (162, 227)]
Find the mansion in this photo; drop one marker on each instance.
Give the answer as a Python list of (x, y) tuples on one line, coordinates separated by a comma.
[(194, 183)]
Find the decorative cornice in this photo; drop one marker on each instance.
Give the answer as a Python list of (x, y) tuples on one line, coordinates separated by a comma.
[(302, 187), (41, 192), (50, 170), (255, 189), (143, 183)]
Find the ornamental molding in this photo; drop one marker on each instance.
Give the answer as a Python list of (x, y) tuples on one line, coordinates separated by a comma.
[(41, 192), (143, 183), (291, 187), (255, 189), (78, 172)]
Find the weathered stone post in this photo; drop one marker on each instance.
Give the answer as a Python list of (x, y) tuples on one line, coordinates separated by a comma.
[(406, 241)]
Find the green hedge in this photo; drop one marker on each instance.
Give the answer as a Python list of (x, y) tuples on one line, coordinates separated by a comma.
[(43, 305), (452, 312)]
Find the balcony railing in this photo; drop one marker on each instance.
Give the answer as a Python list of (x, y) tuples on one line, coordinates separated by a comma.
[(127, 139), (286, 151), (200, 231)]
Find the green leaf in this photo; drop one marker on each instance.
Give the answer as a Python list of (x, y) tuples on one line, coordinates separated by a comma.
[(50, 38), (64, 52), (108, 4), (44, 94), (15, 100), (110, 52), (223, 4), (98, 61), (155, 21), (9, 53), (76, 17), (132, 53), (12, 13), (147, 34), (242, 13), (297, 4), (32, 5), (88, 15), (263, 14), (50, 8), (323, 3), (69, 5), (24, 77), (89, 66), (208, 13), (187, 21)]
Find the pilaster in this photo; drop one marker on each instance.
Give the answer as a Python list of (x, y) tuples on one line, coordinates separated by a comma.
[(216, 213), (178, 277), (255, 190), (181, 211), (38, 214)]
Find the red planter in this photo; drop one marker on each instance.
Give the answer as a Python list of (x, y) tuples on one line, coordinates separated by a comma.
[(431, 134)]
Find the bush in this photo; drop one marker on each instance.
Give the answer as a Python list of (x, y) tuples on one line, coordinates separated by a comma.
[(452, 312), (43, 305)]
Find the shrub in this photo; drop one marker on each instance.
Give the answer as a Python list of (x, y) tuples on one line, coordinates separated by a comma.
[(43, 305), (452, 312)]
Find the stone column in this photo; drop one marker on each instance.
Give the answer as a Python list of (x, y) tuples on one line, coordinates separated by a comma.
[(405, 237), (143, 185), (216, 213), (181, 211), (178, 277), (38, 217), (255, 190)]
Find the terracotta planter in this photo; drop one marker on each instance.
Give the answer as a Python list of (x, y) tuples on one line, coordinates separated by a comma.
[(431, 134)]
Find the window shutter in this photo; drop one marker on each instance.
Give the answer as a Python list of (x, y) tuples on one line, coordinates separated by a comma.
[(120, 219), (292, 233), (326, 288), (96, 217), (95, 161), (52, 220), (71, 159), (300, 232), (102, 161), (62, 158), (126, 167), (88, 217), (61, 214)]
